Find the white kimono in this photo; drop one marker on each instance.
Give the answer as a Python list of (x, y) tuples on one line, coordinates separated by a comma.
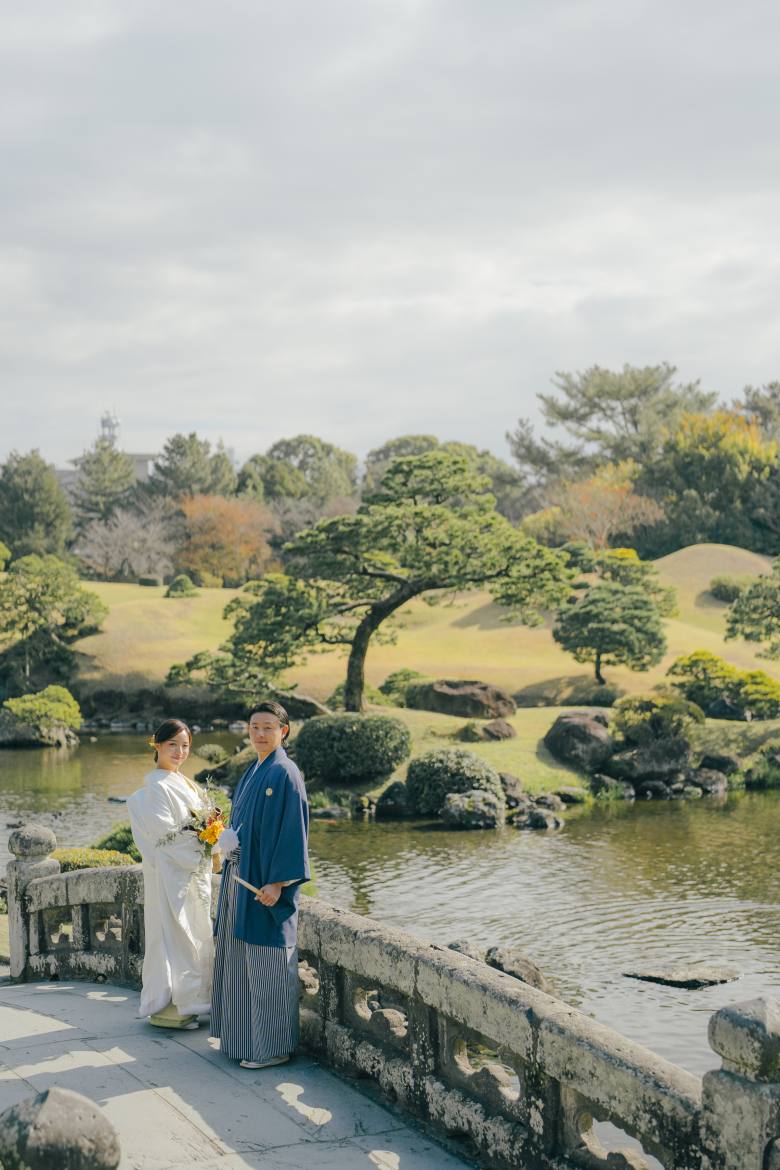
[(179, 947)]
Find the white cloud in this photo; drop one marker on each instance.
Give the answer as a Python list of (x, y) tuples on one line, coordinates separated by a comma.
[(372, 217)]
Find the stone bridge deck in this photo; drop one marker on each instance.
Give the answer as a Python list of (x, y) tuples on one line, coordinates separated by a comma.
[(176, 1101)]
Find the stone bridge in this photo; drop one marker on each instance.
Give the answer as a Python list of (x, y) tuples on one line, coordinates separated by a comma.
[(507, 1077)]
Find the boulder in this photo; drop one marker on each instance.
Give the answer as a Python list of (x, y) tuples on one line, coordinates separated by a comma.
[(58, 1130), (688, 975), (513, 962), (332, 812), (549, 800), (392, 804), (664, 759), (470, 949), (719, 762), (513, 790), (539, 818), (692, 792), (570, 794), (475, 809), (581, 739), (498, 729), (302, 706), (653, 790), (711, 782), (467, 697)]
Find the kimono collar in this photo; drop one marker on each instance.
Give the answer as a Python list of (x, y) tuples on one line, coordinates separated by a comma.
[(276, 755)]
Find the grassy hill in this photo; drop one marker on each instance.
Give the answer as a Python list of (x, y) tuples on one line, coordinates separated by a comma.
[(145, 633)]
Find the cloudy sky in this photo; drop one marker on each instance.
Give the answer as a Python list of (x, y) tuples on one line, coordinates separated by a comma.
[(363, 218)]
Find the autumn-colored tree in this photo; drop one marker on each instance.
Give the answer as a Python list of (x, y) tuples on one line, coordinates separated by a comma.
[(226, 540), (599, 508)]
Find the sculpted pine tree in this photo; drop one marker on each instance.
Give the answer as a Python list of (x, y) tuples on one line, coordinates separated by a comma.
[(755, 615), (610, 623), (105, 483), (43, 609), (429, 529)]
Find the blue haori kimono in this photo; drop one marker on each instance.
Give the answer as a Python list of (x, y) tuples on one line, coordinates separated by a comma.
[(254, 1008)]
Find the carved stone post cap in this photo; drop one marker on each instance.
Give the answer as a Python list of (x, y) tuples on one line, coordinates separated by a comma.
[(58, 1130), (31, 841), (747, 1036)]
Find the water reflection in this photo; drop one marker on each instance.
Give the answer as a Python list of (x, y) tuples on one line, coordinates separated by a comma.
[(620, 887)]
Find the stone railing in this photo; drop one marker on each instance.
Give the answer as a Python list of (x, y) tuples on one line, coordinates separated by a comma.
[(517, 1079)]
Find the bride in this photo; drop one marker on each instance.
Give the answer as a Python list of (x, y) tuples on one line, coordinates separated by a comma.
[(177, 887)]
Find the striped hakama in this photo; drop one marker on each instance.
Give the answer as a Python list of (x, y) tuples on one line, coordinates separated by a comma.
[(254, 1005)]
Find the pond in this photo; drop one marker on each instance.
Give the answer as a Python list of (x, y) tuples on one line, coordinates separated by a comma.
[(620, 887)]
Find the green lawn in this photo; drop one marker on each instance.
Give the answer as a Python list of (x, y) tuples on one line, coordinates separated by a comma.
[(5, 947), (145, 633), (524, 756)]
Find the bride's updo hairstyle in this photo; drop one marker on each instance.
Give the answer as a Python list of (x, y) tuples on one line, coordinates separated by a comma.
[(268, 706), (167, 730)]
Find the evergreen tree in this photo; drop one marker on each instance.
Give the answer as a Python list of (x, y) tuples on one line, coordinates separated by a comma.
[(35, 515), (614, 624), (183, 469), (755, 614), (430, 528), (105, 483), (607, 416)]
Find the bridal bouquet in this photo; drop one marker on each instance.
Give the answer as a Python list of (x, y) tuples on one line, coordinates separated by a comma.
[(207, 822)]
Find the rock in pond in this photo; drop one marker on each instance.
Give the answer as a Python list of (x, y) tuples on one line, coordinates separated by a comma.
[(333, 812), (393, 804), (653, 790), (581, 739), (549, 800), (687, 975), (711, 782), (720, 762), (467, 697), (570, 794), (539, 818), (663, 760), (513, 789), (513, 962), (475, 809), (470, 949)]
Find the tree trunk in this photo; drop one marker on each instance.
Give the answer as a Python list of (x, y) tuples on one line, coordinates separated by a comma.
[(356, 665), (599, 676)]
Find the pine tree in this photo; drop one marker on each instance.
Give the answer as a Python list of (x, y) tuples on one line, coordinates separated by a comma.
[(105, 483)]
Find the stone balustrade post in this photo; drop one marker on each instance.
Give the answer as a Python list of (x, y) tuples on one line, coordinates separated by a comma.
[(31, 846), (58, 1130), (741, 1100)]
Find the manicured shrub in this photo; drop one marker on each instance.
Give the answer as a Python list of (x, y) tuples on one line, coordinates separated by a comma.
[(394, 686), (119, 840), (703, 678), (212, 753), (150, 581), (181, 586), (52, 707), (347, 749), (759, 694), (643, 720), (88, 857), (726, 588), (436, 773)]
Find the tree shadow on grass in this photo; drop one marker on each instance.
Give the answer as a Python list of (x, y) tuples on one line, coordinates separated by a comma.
[(567, 690)]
